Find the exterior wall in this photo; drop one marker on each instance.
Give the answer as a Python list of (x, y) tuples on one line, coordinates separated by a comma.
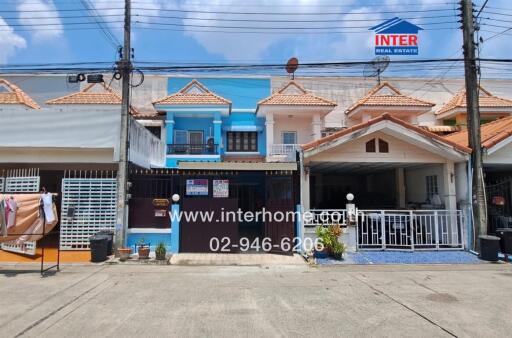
[(61, 131), (500, 156), (301, 125), (399, 151), (415, 182)]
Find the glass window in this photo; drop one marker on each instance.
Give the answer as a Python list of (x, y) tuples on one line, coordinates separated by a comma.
[(180, 137), (289, 137), (432, 188), (246, 141)]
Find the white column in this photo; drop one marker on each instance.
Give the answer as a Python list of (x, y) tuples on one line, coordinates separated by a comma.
[(304, 184), (450, 200), (269, 129), (316, 125), (400, 187)]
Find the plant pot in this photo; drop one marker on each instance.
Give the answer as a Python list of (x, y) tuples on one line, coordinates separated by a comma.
[(321, 253), (160, 256), (143, 252), (124, 253)]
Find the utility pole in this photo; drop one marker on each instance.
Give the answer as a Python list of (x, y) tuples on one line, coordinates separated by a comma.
[(473, 117), (125, 67)]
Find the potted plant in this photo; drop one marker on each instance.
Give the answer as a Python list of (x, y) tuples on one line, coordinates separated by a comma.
[(337, 250), (124, 253), (160, 251), (322, 245), (143, 249)]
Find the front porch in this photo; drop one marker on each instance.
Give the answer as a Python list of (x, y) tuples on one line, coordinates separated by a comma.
[(409, 189)]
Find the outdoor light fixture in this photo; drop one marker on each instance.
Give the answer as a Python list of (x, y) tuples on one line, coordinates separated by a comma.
[(350, 197), (175, 198), (95, 78), (76, 78)]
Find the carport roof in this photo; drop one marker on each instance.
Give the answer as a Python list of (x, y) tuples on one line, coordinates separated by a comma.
[(385, 117), (491, 133)]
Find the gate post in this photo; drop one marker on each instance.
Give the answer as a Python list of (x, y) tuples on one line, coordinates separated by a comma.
[(411, 227), (175, 224), (383, 229)]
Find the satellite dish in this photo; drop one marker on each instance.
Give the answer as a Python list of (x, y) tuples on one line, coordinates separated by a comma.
[(291, 66), (376, 67)]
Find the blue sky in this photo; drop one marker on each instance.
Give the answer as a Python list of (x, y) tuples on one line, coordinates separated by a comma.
[(59, 43)]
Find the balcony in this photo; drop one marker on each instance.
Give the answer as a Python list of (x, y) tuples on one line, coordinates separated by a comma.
[(193, 149), (283, 152)]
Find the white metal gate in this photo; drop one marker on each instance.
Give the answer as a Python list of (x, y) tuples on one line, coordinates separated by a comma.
[(21, 181), (88, 206), (410, 229)]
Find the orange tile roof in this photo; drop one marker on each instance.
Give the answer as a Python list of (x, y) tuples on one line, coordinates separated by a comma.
[(184, 97), (491, 133), (384, 117), (441, 129), (486, 100), (92, 94), (301, 97), (389, 100), (14, 95)]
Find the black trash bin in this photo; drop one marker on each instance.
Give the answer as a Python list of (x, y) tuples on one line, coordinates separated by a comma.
[(506, 240), (99, 246), (110, 244), (489, 248)]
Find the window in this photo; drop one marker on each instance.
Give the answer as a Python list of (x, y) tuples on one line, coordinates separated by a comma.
[(246, 141), (180, 137), (195, 137), (432, 188), (383, 146), (370, 146), (289, 137)]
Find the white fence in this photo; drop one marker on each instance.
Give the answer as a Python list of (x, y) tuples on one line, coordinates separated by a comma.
[(398, 229), (410, 229), (88, 206), (146, 150)]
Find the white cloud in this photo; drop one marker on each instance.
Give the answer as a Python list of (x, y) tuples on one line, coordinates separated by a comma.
[(10, 42), (43, 14)]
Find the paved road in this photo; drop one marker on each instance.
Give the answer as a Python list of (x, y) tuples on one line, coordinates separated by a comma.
[(299, 301)]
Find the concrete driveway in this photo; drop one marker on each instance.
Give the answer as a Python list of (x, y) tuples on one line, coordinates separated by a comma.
[(300, 301)]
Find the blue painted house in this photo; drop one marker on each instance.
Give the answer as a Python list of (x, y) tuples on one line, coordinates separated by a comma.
[(213, 118)]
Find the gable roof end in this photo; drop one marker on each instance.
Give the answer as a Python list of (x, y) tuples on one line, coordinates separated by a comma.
[(14, 95), (486, 100), (184, 97), (373, 98), (384, 117), (300, 97)]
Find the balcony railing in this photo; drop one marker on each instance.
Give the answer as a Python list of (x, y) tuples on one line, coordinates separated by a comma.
[(192, 149), (284, 152)]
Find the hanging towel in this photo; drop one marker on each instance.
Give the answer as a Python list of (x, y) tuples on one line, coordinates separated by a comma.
[(46, 198), (11, 216), (3, 223)]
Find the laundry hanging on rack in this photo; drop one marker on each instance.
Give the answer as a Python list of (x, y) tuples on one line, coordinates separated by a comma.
[(29, 221)]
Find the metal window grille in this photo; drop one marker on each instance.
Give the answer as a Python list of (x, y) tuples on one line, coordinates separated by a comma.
[(20, 181), (88, 206), (432, 187)]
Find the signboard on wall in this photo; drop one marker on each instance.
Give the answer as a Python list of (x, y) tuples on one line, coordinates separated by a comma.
[(220, 188), (197, 187)]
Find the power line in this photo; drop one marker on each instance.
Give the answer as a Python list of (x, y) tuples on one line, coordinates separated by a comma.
[(111, 38)]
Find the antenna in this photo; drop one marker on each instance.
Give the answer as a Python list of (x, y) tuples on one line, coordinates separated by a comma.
[(291, 66), (376, 67)]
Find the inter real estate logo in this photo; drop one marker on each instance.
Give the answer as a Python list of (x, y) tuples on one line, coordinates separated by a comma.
[(396, 37)]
